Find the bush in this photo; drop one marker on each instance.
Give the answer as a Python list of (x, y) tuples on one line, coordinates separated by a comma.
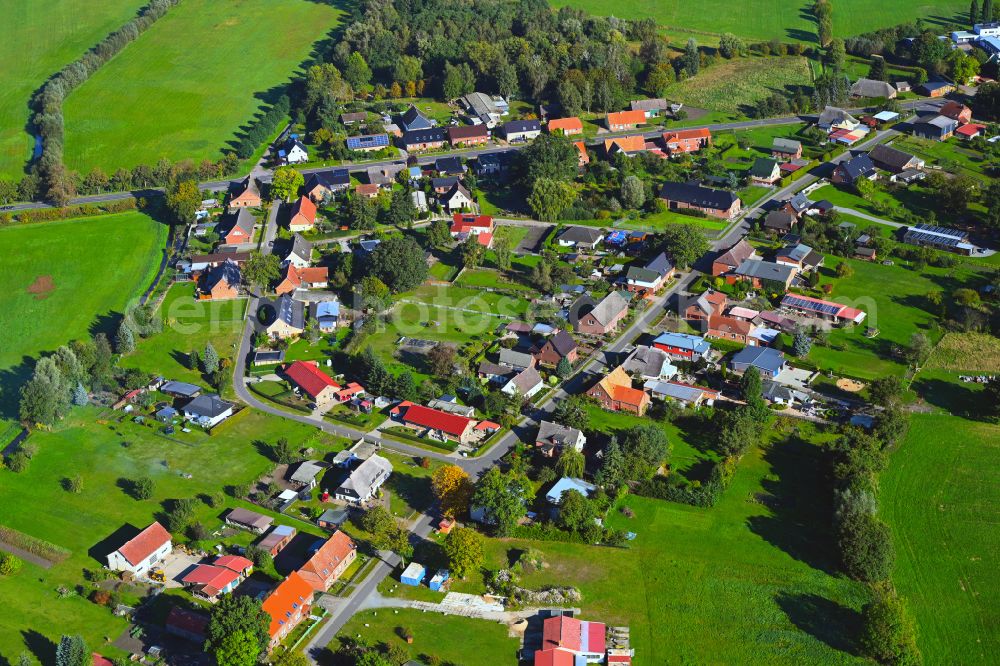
[(865, 548), (9, 564)]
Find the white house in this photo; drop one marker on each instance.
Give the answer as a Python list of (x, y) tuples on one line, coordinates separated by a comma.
[(208, 410), (526, 383), (457, 198), (296, 153), (364, 482), (142, 552)]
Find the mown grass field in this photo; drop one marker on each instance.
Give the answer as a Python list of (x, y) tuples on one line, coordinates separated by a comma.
[(746, 582), (735, 86), (768, 19), (895, 299), (35, 503), (186, 85), (39, 38), (188, 325), (63, 278), (941, 496)]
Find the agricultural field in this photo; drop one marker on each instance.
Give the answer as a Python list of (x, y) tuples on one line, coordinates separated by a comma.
[(767, 19), (941, 497), (735, 86), (188, 325), (66, 279), (40, 38), (81, 522), (183, 88), (898, 309)]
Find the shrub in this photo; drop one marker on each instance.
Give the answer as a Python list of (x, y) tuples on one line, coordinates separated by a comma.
[(865, 548), (9, 564)]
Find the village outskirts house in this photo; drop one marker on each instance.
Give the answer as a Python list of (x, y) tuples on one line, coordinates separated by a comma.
[(649, 363), (423, 139), (715, 203), (364, 481), (240, 228), (851, 171), (682, 346), (786, 149), (890, 159), (294, 152), (769, 362), (760, 273), (651, 108), (605, 316), (246, 194), (329, 562), (289, 318), (294, 278), (729, 260), (208, 410), (620, 121), (303, 215), (800, 256), (222, 282), (434, 423), (650, 278), (580, 237), (765, 171), (871, 88), (468, 135), (458, 198), (322, 184), (681, 142), (299, 253), (553, 438), (319, 386), (287, 606), (519, 131), (249, 520), (708, 303), (142, 552), (557, 347), (568, 126), (615, 393), (934, 128), (778, 222), (525, 383)]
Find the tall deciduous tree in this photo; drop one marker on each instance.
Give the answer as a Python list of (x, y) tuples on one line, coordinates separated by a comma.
[(503, 497), (453, 489), (685, 243), (464, 548), (183, 200), (571, 463), (243, 617), (261, 270), (888, 633), (549, 198), (399, 262), (286, 183)]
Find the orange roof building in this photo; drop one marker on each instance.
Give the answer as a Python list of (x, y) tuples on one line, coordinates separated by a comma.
[(568, 126), (302, 278), (625, 144), (287, 605), (581, 148), (687, 141), (329, 562), (303, 215), (623, 120), (140, 553), (615, 393)]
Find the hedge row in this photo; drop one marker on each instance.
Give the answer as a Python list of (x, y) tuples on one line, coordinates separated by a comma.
[(33, 545)]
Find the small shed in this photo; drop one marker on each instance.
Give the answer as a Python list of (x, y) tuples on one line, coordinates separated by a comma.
[(167, 414), (332, 518), (439, 581), (413, 575)]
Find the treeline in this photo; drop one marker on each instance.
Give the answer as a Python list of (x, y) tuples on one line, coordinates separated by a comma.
[(863, 540), (66, 212), (262, 129), (54, 179)]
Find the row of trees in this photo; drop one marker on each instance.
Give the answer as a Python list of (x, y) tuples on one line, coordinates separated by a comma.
[(863, 540), (53, 177)]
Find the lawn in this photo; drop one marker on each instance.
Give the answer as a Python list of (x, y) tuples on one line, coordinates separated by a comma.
[(187, 85), (455, 640), (34, 613), (40, 39), (941, 496), (660, 221), (895, 299), (952, 155), (735, 86), (746, 582), (768, 19), (64, 279), (188, 325), (460, 301)]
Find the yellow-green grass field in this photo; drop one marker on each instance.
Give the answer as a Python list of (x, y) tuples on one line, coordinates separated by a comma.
[(39, 39), (735, 86), (768, 19), (186, 86), (941, 497), (188, 325), (63, 278), (35, 503)]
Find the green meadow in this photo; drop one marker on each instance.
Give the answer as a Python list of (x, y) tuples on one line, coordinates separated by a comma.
[(768, 19), (63, 278), (39, 39), (183, 89)]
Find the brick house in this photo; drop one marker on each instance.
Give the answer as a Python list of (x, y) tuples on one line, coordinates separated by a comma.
[(287, 606), (246, 195), (680, 142), (615, 393), (329, 562), (716, 203), (620, 121), (468, 135), (568, 126), (303, 216), (557, 347), (605, 316), (731, 259)]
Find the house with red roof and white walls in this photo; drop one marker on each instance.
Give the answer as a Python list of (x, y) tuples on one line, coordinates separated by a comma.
[(142, 552)]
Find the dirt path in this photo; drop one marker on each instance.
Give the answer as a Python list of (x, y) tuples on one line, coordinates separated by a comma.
[(25, 555)]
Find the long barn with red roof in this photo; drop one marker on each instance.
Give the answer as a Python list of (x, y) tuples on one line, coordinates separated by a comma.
[(439, 424)]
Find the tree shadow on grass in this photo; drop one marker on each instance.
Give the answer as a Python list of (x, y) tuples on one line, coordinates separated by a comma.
[(41, 646), (822, 619), (796, 492), (414, 490), (957, 398)]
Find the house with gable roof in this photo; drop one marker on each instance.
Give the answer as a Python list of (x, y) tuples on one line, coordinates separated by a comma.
[(329, 561), (143, 551), (730, 260), (651, 277), (553, 438), (605, 316), (319, 386), (364, 481), (287, 605), (615, 393)]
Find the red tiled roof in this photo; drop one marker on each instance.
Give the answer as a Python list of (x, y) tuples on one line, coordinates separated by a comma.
[(213, 578), (487, 425), (186, 620), (351, 390), (564, 124), (554, 657), (452, 424), (970, 129), (308, 275), (367, 188), (320, 567), (234, 562), (581, 147), (561, 631), (288, 598), (99, 660), (145, 543), (306, 208), (309, 377), (485, 239), (627, 395), (465, 223), (627, 117), (721, 323)]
